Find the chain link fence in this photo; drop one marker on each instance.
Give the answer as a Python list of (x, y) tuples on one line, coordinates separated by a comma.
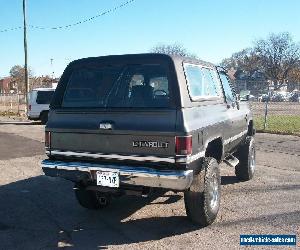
[(12, 104), (274, 110)]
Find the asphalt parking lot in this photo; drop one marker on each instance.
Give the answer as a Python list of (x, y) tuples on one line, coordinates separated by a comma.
[(38, 212)]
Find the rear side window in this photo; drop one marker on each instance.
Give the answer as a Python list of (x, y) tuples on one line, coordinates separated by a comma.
[(44, 97), (138, 86), (228, 89), (202, 82)]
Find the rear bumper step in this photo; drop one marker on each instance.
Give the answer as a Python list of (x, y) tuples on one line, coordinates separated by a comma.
[(140, 176)]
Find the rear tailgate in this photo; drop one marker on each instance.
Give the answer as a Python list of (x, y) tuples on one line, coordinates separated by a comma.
[(116, 108), (125, 136)]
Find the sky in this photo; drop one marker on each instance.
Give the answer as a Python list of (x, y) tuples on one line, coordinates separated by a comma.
[(213, 30)]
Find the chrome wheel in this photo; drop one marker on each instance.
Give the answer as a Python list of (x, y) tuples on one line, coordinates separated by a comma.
[(202, 200), (252, 159), (213, 191)]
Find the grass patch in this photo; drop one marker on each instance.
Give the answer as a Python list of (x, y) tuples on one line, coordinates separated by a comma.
[(287, 124)]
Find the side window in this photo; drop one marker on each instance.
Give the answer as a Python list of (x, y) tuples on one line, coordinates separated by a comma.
[(213, 87), (194, 77), (228, 90), (44, 97), (202, 82)]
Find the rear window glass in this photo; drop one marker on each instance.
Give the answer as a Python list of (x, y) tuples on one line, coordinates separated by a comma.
[(202, 82), (140, 86), (44, 97)]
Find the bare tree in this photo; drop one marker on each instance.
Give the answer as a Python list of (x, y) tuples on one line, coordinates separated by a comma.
[(244, 60), (172, 49), (17, 73), (294, 75), (278, 56), (294, 78)]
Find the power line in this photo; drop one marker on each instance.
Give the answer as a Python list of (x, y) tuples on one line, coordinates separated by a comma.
[(11, 29), (85, 20), (72, 24)]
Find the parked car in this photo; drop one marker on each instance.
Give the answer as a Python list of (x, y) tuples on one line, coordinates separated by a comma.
[(39, 100), (278, 97), (131, 123), (245, 95), (264, 98), (294, 97)]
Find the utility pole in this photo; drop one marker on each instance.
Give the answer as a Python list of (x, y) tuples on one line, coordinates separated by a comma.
[(25, 53), (52, 76)]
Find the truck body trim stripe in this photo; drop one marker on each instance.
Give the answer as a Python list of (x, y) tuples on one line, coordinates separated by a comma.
[(186, 159), (233, 138), (112, 156)]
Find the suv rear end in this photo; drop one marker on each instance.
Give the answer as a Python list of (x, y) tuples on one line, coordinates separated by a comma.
[(39, 100), (112, 125), (128, 124)]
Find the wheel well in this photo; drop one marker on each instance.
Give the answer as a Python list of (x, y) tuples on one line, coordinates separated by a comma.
[(43, 112), (215, 149), (251, 130)]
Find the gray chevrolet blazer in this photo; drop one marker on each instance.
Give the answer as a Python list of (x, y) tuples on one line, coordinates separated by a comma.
[(129, 124)]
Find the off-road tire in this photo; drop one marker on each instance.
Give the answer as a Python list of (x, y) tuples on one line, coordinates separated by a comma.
[(201, 209), (44, 117), (244, 171), (90, 199)]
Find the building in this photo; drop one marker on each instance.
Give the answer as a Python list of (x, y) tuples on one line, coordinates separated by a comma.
[(5, 85)]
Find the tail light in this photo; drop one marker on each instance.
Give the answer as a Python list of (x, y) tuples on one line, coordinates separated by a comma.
[(29, 107), (183, 145), (47, 139)]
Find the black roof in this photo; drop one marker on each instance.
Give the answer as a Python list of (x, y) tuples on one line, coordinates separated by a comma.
[(142, 57)]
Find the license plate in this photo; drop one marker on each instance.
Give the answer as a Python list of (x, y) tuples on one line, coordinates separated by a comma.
[(108, 179)]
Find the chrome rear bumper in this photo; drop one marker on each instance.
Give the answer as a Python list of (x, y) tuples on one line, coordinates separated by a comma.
[(140, 176)]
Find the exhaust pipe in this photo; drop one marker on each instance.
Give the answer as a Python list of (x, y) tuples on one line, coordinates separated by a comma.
[(103, 200)]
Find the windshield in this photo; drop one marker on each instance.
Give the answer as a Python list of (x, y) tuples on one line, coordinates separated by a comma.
[(141, 86)]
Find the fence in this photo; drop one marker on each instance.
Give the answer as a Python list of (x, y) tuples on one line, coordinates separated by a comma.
[(259, 87), (12, 103), (269, 115), (278, 117), (274, 109)]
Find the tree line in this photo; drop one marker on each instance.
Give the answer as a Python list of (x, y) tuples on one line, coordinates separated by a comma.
[(276, 58), (17, 81)]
